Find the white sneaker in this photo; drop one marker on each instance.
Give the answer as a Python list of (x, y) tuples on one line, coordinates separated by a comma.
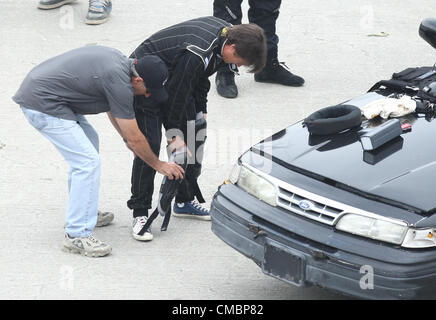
[(88, 246), (137, 225), (104, 218), (52, 4)]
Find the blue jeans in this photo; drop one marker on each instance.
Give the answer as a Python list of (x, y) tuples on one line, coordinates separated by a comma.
[(77, 141)]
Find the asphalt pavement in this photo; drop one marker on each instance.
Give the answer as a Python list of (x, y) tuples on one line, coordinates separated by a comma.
[(340, 47)]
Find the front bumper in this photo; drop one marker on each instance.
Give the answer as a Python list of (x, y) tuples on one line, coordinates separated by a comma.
[(335, 260)]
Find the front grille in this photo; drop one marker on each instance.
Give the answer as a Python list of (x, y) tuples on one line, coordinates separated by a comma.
[(311, 208), (308, 204)]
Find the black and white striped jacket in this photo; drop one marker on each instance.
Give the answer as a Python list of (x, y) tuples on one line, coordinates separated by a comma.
[(191, 50)]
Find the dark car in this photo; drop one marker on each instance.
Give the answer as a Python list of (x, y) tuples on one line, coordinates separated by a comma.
[(320, 210)]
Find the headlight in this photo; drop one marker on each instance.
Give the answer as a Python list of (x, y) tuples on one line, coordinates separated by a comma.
[(234, 174), (254, 184), (373, 227), (420, 238)]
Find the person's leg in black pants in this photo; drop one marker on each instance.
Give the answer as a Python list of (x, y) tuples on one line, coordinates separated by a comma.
[(143, 175), (230, 11), (184, 205), (265, 14)]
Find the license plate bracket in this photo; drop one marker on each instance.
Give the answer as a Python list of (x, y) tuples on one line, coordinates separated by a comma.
[(284, 263)]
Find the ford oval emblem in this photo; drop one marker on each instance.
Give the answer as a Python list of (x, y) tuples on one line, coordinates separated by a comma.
[(305, 205)]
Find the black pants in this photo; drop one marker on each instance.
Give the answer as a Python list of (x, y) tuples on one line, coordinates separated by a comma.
[(264, 13), (150, 123)]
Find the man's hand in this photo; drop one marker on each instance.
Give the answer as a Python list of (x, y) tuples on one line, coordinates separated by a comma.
[(171, 170), (138, 143)]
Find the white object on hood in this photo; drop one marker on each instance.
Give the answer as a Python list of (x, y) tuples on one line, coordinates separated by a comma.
[(389, 107)]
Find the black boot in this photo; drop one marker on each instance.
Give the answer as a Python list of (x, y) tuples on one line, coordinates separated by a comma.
[(225, 84), (275, 72)]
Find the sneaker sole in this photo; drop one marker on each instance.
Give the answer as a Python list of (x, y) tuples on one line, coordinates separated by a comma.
[(87, 254), (96, 22), (54, 6), (145, 237), (228, 96), (192, 216), (103, 223), (283, 84)]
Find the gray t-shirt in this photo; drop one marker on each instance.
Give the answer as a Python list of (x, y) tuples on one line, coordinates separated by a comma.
[(86, 80)]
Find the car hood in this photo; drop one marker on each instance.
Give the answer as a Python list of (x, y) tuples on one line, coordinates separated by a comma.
[(402, 172)]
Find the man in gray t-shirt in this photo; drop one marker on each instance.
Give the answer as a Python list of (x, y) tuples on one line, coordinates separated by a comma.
[(56, 95), (87, 80)]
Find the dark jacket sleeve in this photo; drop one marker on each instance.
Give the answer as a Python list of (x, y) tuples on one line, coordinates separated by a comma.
[(182, 88), (201, 92)]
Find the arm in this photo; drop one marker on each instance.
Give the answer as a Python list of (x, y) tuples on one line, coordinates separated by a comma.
[(115, 124), (201, 92), (117, 127), (136, 141)]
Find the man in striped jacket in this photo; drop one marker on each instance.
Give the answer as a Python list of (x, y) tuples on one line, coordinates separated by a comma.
[(192, 50)]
